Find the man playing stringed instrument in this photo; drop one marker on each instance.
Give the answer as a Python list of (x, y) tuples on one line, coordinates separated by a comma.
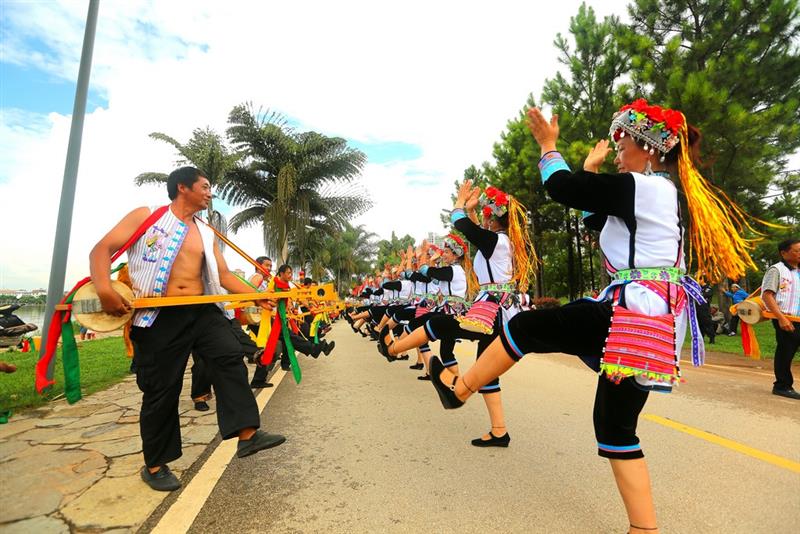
[(178, 256)]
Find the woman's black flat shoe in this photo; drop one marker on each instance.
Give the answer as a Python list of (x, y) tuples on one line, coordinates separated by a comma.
[(416, 366), (383, 348), (493, 441), (424, 377), (447, 393)]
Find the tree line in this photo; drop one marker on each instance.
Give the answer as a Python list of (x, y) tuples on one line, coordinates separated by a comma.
[(733, 68)]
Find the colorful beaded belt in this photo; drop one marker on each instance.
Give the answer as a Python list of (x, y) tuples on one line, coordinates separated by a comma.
[(661, 274), (499, 288)]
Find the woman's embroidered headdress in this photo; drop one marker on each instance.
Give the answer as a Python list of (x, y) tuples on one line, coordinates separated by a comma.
[(456, 244), (716, 224), (656, 127)]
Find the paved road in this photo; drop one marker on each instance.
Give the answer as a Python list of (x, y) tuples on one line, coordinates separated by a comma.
[(370, 450)]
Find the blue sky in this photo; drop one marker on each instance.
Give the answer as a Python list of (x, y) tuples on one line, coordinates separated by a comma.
[(33, 90)]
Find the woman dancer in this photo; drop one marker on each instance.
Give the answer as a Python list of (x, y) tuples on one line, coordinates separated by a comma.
[(502, 265), (454, 279), (642, 240), (399, 317)]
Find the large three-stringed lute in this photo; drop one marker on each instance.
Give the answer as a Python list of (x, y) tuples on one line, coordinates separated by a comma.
[(88, 311)]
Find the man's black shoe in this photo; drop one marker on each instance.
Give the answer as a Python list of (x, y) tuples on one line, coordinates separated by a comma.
[(259, 442), (260, 384), (328, 347), (788, 393), (161, 480), (201, 406)]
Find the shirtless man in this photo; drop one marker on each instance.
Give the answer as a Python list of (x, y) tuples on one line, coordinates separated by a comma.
[(178, 256)]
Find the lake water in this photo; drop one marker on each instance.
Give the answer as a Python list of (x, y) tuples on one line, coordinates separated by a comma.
[(32, 313)]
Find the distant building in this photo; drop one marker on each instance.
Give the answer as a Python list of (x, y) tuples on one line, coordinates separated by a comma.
[(434, 239), (24, 292)]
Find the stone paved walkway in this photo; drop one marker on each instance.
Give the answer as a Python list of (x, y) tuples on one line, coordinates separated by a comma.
[(75, 468)]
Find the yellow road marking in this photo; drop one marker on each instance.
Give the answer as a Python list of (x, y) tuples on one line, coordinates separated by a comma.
[(727, 443), (180, 516)]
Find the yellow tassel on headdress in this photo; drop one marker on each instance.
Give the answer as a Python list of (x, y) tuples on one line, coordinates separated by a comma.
[(524, 253), (716, 243), (472, 279)]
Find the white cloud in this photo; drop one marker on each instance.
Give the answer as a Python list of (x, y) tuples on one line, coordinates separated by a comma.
[(443, 76)]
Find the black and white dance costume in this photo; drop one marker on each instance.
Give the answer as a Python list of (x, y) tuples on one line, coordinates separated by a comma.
[(638, 216), (494, 269), (452, 289)]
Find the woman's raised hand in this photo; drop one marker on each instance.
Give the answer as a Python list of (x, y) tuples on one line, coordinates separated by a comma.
[(474, 197), (597, 156), (545, 132), (464, 192)]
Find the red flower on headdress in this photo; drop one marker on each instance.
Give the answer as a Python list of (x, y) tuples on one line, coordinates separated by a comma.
[(457, 240), (487, 211), (655, 113), (673, 119), (501, 199), (639, 105), (491, 191)]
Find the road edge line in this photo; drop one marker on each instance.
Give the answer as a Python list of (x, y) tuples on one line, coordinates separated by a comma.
[(181, 515)]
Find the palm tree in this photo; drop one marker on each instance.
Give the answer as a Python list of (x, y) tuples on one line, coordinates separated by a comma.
[(290, 182), (207, 152), (337, 256), (352, 252)]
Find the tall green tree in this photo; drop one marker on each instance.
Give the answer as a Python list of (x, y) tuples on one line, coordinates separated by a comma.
[(337, 257), (514, 170), (732, 66), (290, 182), (352, 252), (206, 151), (584, 97), (389, 249), (478, 178)]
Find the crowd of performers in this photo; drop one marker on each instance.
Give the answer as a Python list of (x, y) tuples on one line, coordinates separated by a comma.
[(448, 296), (631, 334), (309, 321)]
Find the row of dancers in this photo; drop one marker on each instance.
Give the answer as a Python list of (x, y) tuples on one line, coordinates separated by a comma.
[(631, 334)]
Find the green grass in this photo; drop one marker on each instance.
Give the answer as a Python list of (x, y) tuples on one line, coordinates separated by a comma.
[(103, 363)]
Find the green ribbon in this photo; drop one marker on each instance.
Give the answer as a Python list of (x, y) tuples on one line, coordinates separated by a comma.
[(69, 354), (287, 341), (71, 362)]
